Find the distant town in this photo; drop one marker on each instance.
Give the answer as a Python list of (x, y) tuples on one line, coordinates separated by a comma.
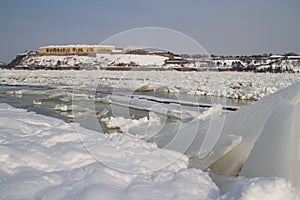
[(108, 57)]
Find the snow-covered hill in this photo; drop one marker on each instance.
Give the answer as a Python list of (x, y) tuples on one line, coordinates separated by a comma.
[(122, 61), (91, 62)]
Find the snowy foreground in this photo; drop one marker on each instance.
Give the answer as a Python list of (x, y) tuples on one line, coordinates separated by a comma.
[(44, 158), (248, 86)]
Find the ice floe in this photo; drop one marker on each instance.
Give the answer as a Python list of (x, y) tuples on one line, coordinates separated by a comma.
[(238, 85)]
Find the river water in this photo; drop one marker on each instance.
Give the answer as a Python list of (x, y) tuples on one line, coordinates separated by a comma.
[(88, 107)]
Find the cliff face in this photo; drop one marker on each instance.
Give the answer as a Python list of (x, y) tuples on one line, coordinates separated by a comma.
[(13, 63), (33, 61)]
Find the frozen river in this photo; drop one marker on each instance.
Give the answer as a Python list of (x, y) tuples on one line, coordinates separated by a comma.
[(156, 117), (67, 104)]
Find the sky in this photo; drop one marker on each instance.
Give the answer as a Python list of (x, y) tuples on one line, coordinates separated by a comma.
[(231, 27)]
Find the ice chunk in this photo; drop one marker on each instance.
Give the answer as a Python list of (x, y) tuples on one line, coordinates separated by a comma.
[(198, 138), (61, 107), (143, 127), (37, 102), (212, 141), (277, 151), (211, 112)]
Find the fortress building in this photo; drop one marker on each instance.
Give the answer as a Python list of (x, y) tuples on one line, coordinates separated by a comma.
[(75, 49)]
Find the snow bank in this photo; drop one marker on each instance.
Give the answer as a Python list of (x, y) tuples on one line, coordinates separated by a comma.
[(262, 188), (43, 158)]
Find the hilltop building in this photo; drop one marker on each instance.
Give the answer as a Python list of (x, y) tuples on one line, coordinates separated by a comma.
[(75, 49)]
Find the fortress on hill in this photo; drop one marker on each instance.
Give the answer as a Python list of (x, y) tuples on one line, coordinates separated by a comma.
[(75, 49), (115, 58)]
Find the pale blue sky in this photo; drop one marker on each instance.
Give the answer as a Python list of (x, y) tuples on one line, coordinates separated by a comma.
[(220, 26)]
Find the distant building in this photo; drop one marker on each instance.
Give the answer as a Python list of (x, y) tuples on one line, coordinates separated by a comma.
[(75, 49)]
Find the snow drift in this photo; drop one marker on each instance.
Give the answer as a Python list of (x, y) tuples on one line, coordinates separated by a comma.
[(43, 158)]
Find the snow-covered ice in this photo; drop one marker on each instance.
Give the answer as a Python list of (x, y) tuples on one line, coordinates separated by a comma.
[(44, 158), (143, 127), (247, 86), (61, 107)]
